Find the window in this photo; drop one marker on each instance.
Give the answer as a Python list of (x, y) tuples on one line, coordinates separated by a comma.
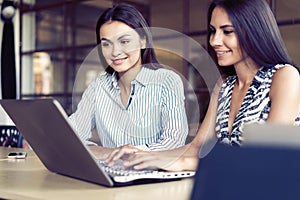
[(58, 35)]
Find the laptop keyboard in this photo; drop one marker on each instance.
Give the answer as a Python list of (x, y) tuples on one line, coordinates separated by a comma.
[(117, 169), (120, 175)]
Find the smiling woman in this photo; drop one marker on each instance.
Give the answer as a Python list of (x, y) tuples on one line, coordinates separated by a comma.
[(136, 102), (123, 51), (265, 86)]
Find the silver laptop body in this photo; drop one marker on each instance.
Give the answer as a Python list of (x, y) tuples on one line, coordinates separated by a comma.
[(44, 124)]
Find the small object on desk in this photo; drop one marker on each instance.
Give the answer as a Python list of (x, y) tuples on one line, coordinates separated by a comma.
[(17, 155)]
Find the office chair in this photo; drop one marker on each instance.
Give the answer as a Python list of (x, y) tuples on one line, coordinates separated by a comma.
[(10, 136)]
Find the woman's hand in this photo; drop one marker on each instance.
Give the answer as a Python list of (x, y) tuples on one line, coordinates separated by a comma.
[(172, 160), (156, 160), (111, 154), (121, 153)]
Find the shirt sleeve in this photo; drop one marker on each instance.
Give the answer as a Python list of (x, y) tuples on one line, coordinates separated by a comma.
[(83, 120), (174, 120)]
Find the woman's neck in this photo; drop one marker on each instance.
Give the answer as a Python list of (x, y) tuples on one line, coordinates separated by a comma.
[(125, 78), (246, 71)]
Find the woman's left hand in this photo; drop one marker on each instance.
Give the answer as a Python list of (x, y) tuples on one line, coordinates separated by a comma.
[(121, 153)]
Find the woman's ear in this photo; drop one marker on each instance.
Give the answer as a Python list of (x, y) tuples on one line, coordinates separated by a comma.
[(143, 43)]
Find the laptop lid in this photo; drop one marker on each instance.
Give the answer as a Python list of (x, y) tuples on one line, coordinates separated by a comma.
[(257, 170), (271, 134), (44, 124)]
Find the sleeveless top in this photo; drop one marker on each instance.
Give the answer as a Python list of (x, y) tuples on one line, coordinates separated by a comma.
[(254, 109)]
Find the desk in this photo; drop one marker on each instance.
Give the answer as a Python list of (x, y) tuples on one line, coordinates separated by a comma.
[(29, 179)]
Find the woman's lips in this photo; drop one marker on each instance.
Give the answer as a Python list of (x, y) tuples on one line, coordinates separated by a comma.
[(222, 53), (118, 61)]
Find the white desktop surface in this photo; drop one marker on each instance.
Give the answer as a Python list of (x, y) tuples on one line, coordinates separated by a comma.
[(29, 179)]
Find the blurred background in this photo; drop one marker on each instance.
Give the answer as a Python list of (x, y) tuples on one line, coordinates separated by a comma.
[(53, 39)]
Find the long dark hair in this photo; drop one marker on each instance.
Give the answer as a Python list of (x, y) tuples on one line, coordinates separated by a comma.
[(256, 29), (132, 17)]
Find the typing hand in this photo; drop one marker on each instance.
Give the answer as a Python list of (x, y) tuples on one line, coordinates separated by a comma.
[(182, 158), (152, 160), (134, 158), (121, 153)]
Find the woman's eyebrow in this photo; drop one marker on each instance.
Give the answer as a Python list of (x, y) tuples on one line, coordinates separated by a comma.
[(105, 39), (226, 26), (120, 37), (125, 35), (223, 26)]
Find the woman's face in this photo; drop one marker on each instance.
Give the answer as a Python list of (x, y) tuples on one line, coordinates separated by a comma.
[(223, 39), (121, 46)]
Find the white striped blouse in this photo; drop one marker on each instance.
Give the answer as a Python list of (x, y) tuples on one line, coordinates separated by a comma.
[(154, 118)]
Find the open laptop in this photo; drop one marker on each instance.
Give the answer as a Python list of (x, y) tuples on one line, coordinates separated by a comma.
[(44, 124), (271, 134), (265, 167)]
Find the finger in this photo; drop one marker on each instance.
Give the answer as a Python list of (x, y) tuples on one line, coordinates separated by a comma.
[(123, 153), (120, 152), (115, 155), (110, 160)]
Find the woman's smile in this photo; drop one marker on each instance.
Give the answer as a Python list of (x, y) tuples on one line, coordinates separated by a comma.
[(119, 61)]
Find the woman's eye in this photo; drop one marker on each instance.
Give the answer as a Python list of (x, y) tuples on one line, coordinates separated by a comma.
[(227, 32), (105, 44), (124, 41), (212, 30)]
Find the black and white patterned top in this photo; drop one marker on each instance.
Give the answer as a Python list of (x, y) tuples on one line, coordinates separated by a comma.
[(254, 109)]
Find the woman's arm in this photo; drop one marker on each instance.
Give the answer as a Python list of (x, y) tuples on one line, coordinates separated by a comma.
[(174, 125), (285, 96), (179, 159), (82, 120), (182, 158)]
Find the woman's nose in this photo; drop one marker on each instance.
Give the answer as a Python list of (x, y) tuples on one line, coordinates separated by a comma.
[(117, 50), (216, 40)]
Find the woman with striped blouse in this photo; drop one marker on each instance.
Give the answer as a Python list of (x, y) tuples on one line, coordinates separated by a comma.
[(260, 85), (135, 102)]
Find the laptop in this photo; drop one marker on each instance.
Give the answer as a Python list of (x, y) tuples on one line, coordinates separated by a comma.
[(271, 134), (260, 169), (44, 124)]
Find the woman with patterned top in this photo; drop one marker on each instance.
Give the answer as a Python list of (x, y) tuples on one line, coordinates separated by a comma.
[(135, 102), (259, 83)]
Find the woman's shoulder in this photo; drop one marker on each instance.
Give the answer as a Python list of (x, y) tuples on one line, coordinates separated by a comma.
[(285, 67), (168, 72), (268, 74), (102, 78), (163, 74), (286, 77), (161, 70), (285, 71)]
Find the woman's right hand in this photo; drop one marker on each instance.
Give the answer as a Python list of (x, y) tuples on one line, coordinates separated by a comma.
[(121, 153), (161, 160), (172, 160)]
